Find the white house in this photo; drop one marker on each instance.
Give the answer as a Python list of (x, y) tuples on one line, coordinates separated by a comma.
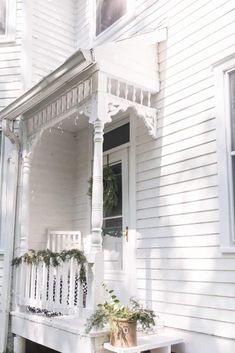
[(146, 87)]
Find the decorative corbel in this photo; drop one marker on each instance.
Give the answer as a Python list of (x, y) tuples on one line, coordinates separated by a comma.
[(149, 117), (9, 132)]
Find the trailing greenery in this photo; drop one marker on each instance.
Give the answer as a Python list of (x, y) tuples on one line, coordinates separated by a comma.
[(110, 189), (112, 309), (47, 313), (54, 258)]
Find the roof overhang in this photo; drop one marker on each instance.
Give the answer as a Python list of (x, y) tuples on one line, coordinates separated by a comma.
[(80, 61), (133, 59)]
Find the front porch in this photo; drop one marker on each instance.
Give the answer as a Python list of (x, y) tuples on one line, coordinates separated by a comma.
[(61, 128)]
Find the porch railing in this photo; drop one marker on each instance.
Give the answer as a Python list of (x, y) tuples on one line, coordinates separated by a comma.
[(55, 289)]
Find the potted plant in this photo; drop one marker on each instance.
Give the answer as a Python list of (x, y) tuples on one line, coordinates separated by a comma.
[(121, 320)]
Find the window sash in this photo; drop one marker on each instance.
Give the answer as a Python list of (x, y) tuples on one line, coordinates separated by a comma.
[(109, 12)]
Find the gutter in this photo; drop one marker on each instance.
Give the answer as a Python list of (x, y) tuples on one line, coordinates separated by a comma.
[(74, 65)]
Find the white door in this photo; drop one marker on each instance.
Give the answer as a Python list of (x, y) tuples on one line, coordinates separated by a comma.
[(117, 257)]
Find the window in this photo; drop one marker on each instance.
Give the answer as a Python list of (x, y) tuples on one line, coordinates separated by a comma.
[(116, 137), (225, 119), (7, 20), (108, 12), (2, 17)]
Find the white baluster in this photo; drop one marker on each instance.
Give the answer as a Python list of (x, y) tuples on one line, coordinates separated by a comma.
[(27, 285), (141, 96), (134, 94), (50, 293), (126, 91), (149, 99), (118, 88), (44, 285), (71, 286), (109, 85)]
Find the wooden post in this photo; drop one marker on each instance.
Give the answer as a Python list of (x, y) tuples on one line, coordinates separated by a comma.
[(24, 228), (97, 189), (19, 344)]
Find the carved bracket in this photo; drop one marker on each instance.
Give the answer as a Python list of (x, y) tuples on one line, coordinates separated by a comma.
[(149, 115), (105, 107)]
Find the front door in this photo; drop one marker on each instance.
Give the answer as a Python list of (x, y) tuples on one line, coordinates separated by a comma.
[(117, 259)]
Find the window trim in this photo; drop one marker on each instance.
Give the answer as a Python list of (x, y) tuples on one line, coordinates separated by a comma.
[(222, 69), (116, 26), (9, 36)]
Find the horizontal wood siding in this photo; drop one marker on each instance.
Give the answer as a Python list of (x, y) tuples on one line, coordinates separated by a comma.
[(10, 63), (1, 279), (52, 182), (81, 200), (181, 272), (59, 184), (53, 35)]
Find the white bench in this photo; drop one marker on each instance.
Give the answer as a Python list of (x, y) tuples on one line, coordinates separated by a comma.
[(58, 240), (154, 343)]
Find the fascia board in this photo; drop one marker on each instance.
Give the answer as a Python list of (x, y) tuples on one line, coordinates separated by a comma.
[(76, 64)]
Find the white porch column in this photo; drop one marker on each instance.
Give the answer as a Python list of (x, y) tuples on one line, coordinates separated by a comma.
[(24, 227), (97, 189)]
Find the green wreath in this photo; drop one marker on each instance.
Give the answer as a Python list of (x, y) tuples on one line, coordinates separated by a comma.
[(110, 189)]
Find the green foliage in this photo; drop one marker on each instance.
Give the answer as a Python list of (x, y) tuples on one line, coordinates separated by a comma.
[(112, 309), (53, 258), (110, 189)]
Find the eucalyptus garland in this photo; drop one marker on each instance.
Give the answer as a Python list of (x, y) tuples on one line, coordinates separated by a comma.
[(110, 189), (54, 258), (47, 313)]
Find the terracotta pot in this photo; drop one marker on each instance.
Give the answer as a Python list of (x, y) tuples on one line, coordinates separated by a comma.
[(123, 333)]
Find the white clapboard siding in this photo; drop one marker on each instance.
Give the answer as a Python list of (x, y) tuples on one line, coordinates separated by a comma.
[(53, 35), (2, 308), (180, 269), (10, 63), (1, 278), (81, 218), (52, 183)]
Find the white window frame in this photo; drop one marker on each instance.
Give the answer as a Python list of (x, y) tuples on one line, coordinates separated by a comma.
[(116, 26), (222, 69), (9, 36)]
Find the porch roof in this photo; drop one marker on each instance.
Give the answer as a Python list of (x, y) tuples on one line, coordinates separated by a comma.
[(117, 58)]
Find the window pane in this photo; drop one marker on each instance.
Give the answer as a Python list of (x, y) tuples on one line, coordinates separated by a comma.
[(232, 106), (112, 227), (116, 137), (108, 12), (2, 17)]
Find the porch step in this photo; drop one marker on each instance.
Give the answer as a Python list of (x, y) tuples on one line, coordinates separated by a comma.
[(158, 343)]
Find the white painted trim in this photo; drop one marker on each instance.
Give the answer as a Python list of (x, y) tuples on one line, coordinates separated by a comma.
[(73, 66), (12, 178), (116, 122), (27, 45), (1, 176), (115, 27), (144, 343), (132, 203), (9, 36), (223, 127), (128, 149), (116, 149)]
